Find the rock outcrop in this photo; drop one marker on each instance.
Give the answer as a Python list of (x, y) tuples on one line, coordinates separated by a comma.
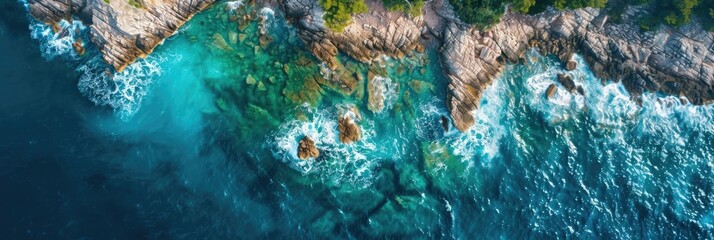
[(672, 61), (307, 149), (370, 36), (550, 92), (349, 131), (122, 32)]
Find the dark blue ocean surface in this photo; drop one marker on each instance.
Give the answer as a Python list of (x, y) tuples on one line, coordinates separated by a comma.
[(199, 141)]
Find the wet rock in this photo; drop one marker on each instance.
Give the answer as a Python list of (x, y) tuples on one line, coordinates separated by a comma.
[(377, 87), (444, 123), (78, 47), (550, 92), (264, 40), (472, 58), (366, 39), (571, 65), (421, 86), (349, 131), (307, 149), (567, 81), (241, 37), (121, 33), (580, 90)]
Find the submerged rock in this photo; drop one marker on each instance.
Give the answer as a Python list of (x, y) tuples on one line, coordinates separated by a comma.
[(220, 42), (233, 37), (550, 92), (250, 80), (307, 149)]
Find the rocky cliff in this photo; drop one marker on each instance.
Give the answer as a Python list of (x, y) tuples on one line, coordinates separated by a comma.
[(370, 36), (672, 61), (122, 31), (678, 62)]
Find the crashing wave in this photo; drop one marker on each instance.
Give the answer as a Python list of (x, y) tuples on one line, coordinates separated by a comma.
[(122, 91), (338, 162), (232, 6), (58, 44)]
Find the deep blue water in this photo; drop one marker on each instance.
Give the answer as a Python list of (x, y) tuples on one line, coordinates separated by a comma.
[(182, 146)]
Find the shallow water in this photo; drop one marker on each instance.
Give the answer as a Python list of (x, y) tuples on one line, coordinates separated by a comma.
[(184, 144)]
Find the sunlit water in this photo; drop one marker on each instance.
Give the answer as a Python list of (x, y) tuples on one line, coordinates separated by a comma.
[(200, 139)]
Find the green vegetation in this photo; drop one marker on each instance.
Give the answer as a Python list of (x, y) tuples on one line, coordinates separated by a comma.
[(485, 13), (480, 13), (678, 12), (411, 7), (338, 13), (135, 3)]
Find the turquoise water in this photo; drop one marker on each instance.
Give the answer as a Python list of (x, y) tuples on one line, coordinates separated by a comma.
[(184, 144)]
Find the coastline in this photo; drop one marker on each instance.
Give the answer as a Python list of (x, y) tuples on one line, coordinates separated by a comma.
[(677, 62)]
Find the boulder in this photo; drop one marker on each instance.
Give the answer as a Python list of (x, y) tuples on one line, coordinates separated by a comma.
[(550, 92), (349, 131), (567, 81), (571, 65), (307, 149)]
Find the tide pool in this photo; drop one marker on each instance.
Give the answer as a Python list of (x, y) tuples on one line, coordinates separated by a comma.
[(199, 140)]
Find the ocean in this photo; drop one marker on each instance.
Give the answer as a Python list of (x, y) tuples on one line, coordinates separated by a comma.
[(199, 141)]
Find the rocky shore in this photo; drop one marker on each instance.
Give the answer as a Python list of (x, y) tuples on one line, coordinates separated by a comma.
[(672, 61), (123, 32), (677, 62)]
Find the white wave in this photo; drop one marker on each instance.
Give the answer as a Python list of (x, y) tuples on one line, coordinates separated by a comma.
[(267, 19), (122, 91), (385, 89), (232, 6), (54, 44), (482, 140), (338, 162)]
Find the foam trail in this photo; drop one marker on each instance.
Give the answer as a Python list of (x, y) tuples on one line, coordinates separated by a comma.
[(122, 91), (58, 44), (338, 162)]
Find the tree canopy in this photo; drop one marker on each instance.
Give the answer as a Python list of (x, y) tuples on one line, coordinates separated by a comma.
[(338, 13)]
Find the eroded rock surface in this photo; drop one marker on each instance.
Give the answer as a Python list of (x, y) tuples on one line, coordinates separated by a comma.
[(307, 149), (349, 130), (370, 36), (122, 32), (672, 61)]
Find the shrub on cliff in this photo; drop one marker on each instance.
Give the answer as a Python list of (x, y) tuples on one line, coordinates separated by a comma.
[(411, 7), (485, 13), (338, 13), (670, 12)]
